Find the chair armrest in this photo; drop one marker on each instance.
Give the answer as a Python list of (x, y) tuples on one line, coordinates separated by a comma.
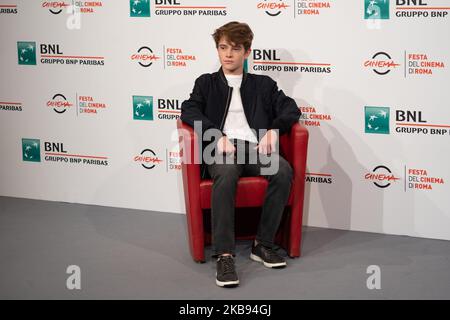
[(298, 146), (295, 149), (294, 146), (190, 169), (189, 147)]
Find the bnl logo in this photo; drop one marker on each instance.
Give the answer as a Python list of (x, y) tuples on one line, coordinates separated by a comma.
[(31, 150), (26, 51), (376, 9), (139, 8), (376, 120), (142, 108)]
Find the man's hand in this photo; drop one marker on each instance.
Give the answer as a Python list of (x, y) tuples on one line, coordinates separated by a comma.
[(268, 143), (225, 146)]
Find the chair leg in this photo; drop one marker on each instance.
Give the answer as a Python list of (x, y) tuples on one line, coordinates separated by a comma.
[(294, 253), (198, 257), (196, 237), (200, 262), (294, 243), (295, 234)]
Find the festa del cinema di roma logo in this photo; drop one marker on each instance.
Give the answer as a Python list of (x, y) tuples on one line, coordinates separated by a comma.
[(148, 159), (414, 179), (56, 7), (381, 176), (381, 63), (272, 7), (59, 103), (145, 57)]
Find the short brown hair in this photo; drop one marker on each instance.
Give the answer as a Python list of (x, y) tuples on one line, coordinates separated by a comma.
[(236, 32)]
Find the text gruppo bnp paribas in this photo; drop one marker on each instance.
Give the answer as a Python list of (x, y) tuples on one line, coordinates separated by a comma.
[(181, 8)]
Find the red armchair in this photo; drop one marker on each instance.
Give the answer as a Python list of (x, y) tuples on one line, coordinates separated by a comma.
[(249, 195)]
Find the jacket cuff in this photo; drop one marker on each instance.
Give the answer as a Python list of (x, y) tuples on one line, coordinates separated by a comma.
[(276, 124)]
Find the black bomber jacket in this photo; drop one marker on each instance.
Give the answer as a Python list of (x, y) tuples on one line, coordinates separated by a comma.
[(265, 106)]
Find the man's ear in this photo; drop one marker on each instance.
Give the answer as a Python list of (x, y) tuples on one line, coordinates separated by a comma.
[(247, 53)]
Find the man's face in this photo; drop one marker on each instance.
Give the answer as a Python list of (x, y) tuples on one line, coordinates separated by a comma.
[(232, 56)]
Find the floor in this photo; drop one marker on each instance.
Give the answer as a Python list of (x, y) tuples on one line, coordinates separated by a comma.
[(135, 254)]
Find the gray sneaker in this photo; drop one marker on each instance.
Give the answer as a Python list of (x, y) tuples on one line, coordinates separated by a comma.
[(267, 256), (226, 275)]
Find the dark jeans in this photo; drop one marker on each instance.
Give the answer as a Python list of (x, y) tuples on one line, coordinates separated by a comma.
[(225, 176)]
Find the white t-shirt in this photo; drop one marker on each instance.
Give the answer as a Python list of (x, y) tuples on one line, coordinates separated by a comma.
[(236, 125)]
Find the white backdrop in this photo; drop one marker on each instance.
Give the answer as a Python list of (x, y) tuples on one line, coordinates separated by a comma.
[(92, 102)]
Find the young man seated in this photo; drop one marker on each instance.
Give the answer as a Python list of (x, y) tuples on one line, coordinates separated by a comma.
[(246, 113)]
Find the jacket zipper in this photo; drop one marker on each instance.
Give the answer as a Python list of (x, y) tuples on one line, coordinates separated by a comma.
[(230, 90)]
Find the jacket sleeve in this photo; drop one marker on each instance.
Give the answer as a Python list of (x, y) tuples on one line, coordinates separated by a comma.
[(286, 111), (193, 108)]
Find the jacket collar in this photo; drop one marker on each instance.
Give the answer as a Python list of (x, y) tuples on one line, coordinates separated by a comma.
[(222, 76)]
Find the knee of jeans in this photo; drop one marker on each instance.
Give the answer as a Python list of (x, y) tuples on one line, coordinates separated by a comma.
[(285, 172), (227, 173)]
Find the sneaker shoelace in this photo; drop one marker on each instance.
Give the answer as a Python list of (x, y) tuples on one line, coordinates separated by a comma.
[(272, 253), (228, 264)]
